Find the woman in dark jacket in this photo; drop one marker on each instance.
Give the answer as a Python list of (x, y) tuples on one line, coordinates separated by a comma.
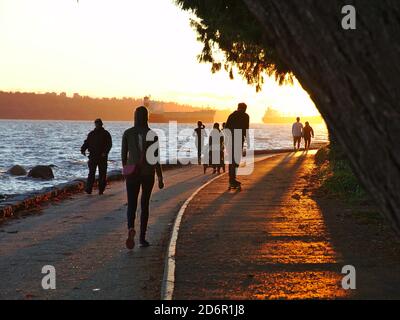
[(216, 149), (136, 142), (308, 132)]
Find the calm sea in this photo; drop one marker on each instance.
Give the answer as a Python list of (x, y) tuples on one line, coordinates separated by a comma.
[(29, 143)]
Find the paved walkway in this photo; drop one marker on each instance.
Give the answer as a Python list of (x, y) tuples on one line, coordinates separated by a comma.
[(268, 241), (84, 239)]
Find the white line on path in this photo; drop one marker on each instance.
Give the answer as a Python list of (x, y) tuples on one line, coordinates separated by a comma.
[(168, 283)]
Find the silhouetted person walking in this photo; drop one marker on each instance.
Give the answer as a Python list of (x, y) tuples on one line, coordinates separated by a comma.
[(199, 134), (308, 132), (99, 144), (224, 150), (140, 165), (216, 149), (238, 121), (297, 132)]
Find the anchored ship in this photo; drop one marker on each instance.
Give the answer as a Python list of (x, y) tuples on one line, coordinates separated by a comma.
[(274, 116), (157, 114)]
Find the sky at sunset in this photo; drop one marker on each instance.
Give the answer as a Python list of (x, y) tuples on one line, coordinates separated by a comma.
[(106, 48)]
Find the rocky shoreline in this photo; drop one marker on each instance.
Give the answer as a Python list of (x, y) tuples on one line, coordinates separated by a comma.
[(17, 203)]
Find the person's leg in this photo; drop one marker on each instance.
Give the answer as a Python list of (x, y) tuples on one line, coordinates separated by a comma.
[(211, 163), (223, 161), (232, 165), (92, 164), (236, 158), (298, 143), (198, 155), (102, 175), (132, 189), (147, 187)]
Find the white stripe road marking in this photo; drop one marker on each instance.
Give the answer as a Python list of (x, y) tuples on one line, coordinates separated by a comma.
[(168, 282)]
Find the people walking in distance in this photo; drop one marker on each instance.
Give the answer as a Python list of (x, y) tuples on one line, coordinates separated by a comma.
[(237, 127), (199, 134), (308, 132), (140, 160), (99, 144), (216, 149), (223, 131), (297, 132)]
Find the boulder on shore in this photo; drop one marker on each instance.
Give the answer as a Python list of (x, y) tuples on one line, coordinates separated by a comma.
[(41, 172), (17, 170)]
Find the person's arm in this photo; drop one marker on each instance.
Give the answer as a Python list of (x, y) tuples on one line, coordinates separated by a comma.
[(158, 165), (84, 148), (108, 143), (124, 150), (85, 145), (312, 132), (247, 133), (228, 123)]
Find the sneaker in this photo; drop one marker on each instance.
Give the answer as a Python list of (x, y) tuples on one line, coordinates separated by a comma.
[(144, 244), (234, 184), (130, 242)]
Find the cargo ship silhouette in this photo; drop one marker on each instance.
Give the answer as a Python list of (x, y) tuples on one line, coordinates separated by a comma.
[(157, 114), (274, 116)]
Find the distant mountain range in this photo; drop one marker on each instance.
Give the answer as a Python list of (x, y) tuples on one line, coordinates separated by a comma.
[(53, 106)]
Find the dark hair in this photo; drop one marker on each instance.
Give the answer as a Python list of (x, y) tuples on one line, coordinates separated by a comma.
[(99, 121), (242, 106), (141, 117), (298, 118), (216, 125), (307, 123), (199, 123)]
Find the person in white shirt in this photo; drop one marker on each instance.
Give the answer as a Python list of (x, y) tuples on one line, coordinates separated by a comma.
[(297, 132)]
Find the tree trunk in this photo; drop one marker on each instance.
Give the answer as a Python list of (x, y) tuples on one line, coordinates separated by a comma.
[(353, 78)]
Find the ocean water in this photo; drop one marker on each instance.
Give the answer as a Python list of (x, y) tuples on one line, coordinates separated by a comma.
[(30, 143)]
